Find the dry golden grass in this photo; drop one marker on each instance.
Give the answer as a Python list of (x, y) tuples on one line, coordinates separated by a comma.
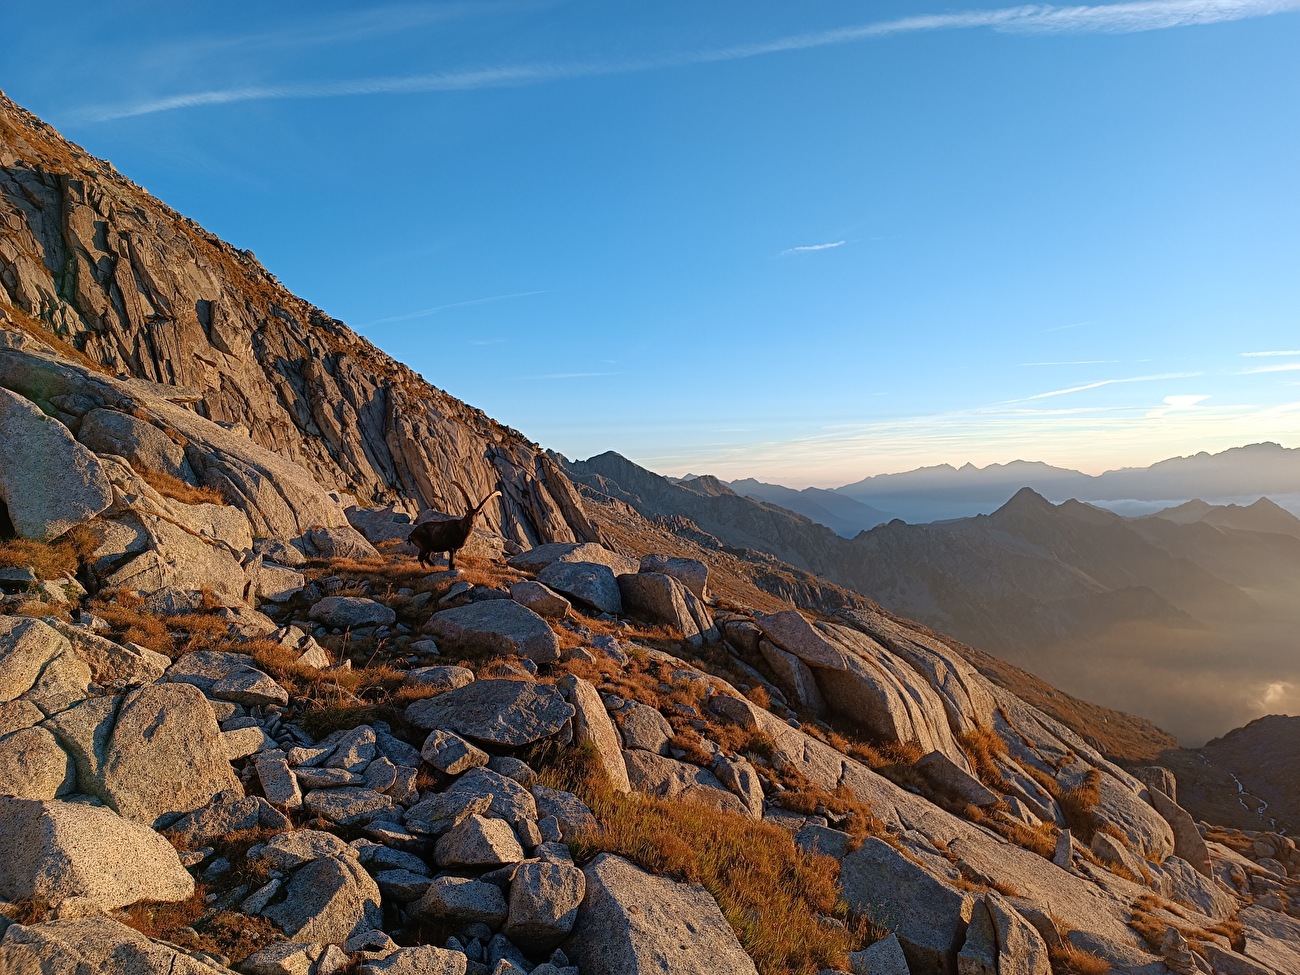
[(773, 895), (51, 560), (124, 612), (1147, 921), (984, 747), (176, 489), (1078, 802), (1066, 959)]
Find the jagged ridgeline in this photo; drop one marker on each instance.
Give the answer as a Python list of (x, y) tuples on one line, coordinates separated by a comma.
[(243, 728)]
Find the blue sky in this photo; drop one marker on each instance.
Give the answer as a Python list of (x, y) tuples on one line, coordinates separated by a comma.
[(802, 242)]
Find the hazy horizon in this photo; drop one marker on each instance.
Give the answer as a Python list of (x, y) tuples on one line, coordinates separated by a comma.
[(801, 244)]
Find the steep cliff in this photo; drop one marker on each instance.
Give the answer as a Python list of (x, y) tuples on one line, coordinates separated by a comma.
[(99, 264)]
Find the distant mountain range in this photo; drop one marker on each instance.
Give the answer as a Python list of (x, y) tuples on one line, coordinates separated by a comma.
[(944, 492), (1185, 616)]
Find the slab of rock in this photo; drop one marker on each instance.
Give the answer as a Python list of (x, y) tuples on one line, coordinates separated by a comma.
[(643, 728), (345, 612), (590, 583), (742, 779), (543, 601), (929, 917), (352, 748), (439, 679), (75, 946), (463, 900), (1021, 949), (113, 664), (143, 445), (163, 755), (632, 921), (544, 902), (510, 713), (27, 647), (299, 847), (944, 774), (229, 812), (885, 957), (349, 806), (691, 573), (250, 687), (1188, 842), (794, 634), (450, 753), (670, 779), (979, 955), (296, 958), (279, 783), (657, 598), (438, 813), (478, 842), (55, 850), (33, 766), (591, 725), (65, 488), (794, 676), (420, 960), (330, 899), (496, 627), (565, 808)]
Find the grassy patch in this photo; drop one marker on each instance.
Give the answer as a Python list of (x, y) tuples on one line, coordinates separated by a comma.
[(51, 560), (1078, 802), (783, 904), (178, 490)]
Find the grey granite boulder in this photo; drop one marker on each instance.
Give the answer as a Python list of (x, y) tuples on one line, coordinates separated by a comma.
[(589, 583), (542, 600), (451, 754), (66, 488), (494, 627), (498, 712), (33, 766), (330, 899), (632, 921), (592, 726), (80, 946), (145, 447), (57, 850), (344, 612), (544, 901), (658, 598), (463, 900), (643, 728), (439, 679), (929, 917), (478, 842)]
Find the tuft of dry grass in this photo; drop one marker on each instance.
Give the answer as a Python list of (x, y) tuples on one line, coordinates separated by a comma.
[(984, 746), (123, 610), (178, 490), (783, 903), (167, 920), (51, 560), (1066, 959), (1078, 802)]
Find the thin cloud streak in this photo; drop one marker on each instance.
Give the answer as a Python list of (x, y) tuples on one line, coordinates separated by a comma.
[(1118, 18), (1106, 382), (1257, 370), (813, 247), (1253, 355), (426, 312)]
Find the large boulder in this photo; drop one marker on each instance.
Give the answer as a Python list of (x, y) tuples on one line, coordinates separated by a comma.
[(499, 712), (159, 752), (38, 665), (589, 583), (1188, 842), (537, 559), (691, 573), (658, 598), (344, 612), (929, 917), (544, 901), (591, 724), (81, 946), (495, 626), (55, 850), (49, 483), (330, 899), (632, 921), (670, 779), (142, 444)]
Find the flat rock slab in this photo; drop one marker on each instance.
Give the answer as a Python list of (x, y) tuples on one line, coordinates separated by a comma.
[(95, 944), (347, 807), (540, 599), (463, 900), (48, 482), (537, 559), (510, 713), (495, 626), (55, 850), (330, 899), (439, 679), (632, 921), (544, 902), (343, 612), (478, 842)]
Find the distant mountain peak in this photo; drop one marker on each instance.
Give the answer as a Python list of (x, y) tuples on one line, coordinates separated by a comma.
[(1025, 500)]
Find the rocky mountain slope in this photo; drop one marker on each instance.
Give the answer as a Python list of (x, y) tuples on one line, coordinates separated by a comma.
[(1185, 620), (242, 728), (839, 513)]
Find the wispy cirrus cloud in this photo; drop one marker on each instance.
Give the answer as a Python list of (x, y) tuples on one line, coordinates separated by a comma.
[(805, 248), (1176, 404), (1114, 18), (1281, 367), (438, 309), (1256, 355), (1084, 387)]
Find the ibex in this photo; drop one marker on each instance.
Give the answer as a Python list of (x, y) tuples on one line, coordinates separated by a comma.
[(447, 534)]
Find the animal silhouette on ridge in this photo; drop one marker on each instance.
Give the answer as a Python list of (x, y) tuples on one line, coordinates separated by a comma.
[(447, 534)]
